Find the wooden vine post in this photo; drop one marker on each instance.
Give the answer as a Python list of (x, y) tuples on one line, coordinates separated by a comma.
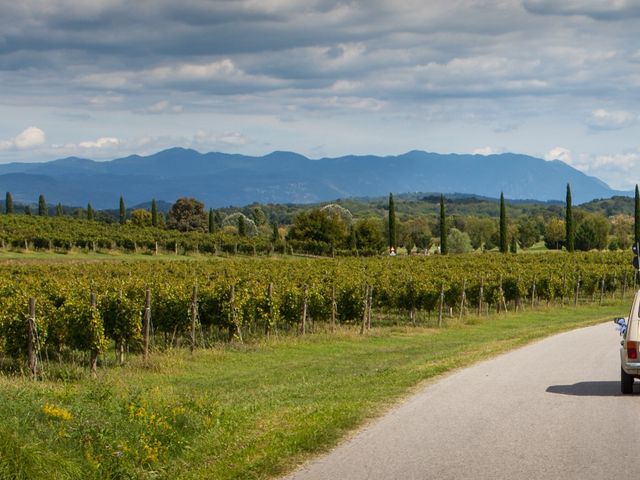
[(441, 306), (601, 289), (624, 285), (333, 308), (480, 295), (147, 324), (577, 293), (271, 320), (502, 299), (370, 307), (94, 351), (32, 356), (304, 311), (363, 326), (533, 293), (194, 315), (463, 297), (234, 317)]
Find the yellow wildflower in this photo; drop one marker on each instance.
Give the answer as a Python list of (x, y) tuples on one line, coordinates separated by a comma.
[(56, 412)]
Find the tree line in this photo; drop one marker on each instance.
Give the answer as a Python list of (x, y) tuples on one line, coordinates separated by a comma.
[(332, 229)]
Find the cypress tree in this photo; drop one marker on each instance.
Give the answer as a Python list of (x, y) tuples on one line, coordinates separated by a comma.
[(504, 246), (43, 211), (123, 212), (8, 203), (242, 228), (636, 215), (275, 236), (443, 228), (570, 230), (27, 210), (89, 211), (392, 223), (353, 242), (59, 210), (154, 213), (212, 224)]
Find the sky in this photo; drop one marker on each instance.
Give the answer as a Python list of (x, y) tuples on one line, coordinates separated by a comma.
[(102, 79)]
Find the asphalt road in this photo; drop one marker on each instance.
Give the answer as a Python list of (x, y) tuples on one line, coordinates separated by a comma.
[(549, 410)]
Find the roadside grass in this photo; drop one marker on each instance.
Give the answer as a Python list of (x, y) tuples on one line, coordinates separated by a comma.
[(244, 411)]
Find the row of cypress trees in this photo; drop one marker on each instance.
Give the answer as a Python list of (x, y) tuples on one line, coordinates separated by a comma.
[(570, 228)]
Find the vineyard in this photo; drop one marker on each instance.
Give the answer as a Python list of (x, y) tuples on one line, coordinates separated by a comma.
[(63, 234), (70, 310)]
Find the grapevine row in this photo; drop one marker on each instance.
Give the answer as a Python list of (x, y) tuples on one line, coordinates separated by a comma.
[(87, 306)]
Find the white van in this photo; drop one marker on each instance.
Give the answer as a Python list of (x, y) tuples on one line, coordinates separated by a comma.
[(629, 328)]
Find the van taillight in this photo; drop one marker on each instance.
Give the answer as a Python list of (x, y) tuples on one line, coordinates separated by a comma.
[(632, 350)]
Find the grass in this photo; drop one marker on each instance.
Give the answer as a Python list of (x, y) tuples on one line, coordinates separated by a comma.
[(238, 411)]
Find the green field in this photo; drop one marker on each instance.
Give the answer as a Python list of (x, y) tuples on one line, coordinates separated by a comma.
[(238, 411)]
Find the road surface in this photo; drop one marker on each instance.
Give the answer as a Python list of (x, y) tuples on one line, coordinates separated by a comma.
[(549, 410)]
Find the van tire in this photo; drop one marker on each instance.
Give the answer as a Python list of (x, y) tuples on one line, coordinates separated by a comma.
[(626, 382)]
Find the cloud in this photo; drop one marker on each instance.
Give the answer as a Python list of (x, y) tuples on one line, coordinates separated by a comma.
[(559, 153), (163, 106), (29, 138), (602, 119), (100, 143), (595, 9), (487, 151)]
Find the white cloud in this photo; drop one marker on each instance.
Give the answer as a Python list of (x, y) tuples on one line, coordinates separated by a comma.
[(487, 151), (29, 138), (559, 153), (100, 143), (163, 106), (602, 119)]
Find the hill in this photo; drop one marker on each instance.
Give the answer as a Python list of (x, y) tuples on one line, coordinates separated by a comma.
[(221, 179)]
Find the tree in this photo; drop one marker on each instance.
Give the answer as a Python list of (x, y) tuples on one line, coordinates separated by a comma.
[(217, 219), (417, 232), (123, 212), (90, 214), (259, 218), (27, 210), (154, 213), (275, 235), (459, 242), (528, 232), (392, 223), (369, 234), (636, 216), (570, 229), (443, 228), (141, 218), (554, 234), (481, 230), (317, 226), (592, 232), (212, 223), (504, 245), (622, 229), (59, 210), (186, 215), (43, 211), (232, 222), (242, 229), (8, 205)]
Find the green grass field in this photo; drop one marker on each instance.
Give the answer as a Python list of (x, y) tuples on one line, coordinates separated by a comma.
[(241, 411)]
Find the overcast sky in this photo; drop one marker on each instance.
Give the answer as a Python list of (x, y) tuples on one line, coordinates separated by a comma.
[(106, 78)]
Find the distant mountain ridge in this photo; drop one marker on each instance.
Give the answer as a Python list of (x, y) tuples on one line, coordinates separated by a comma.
[(221, 179)]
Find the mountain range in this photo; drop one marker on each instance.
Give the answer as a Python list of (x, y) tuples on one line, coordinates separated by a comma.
[(221, 179)]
